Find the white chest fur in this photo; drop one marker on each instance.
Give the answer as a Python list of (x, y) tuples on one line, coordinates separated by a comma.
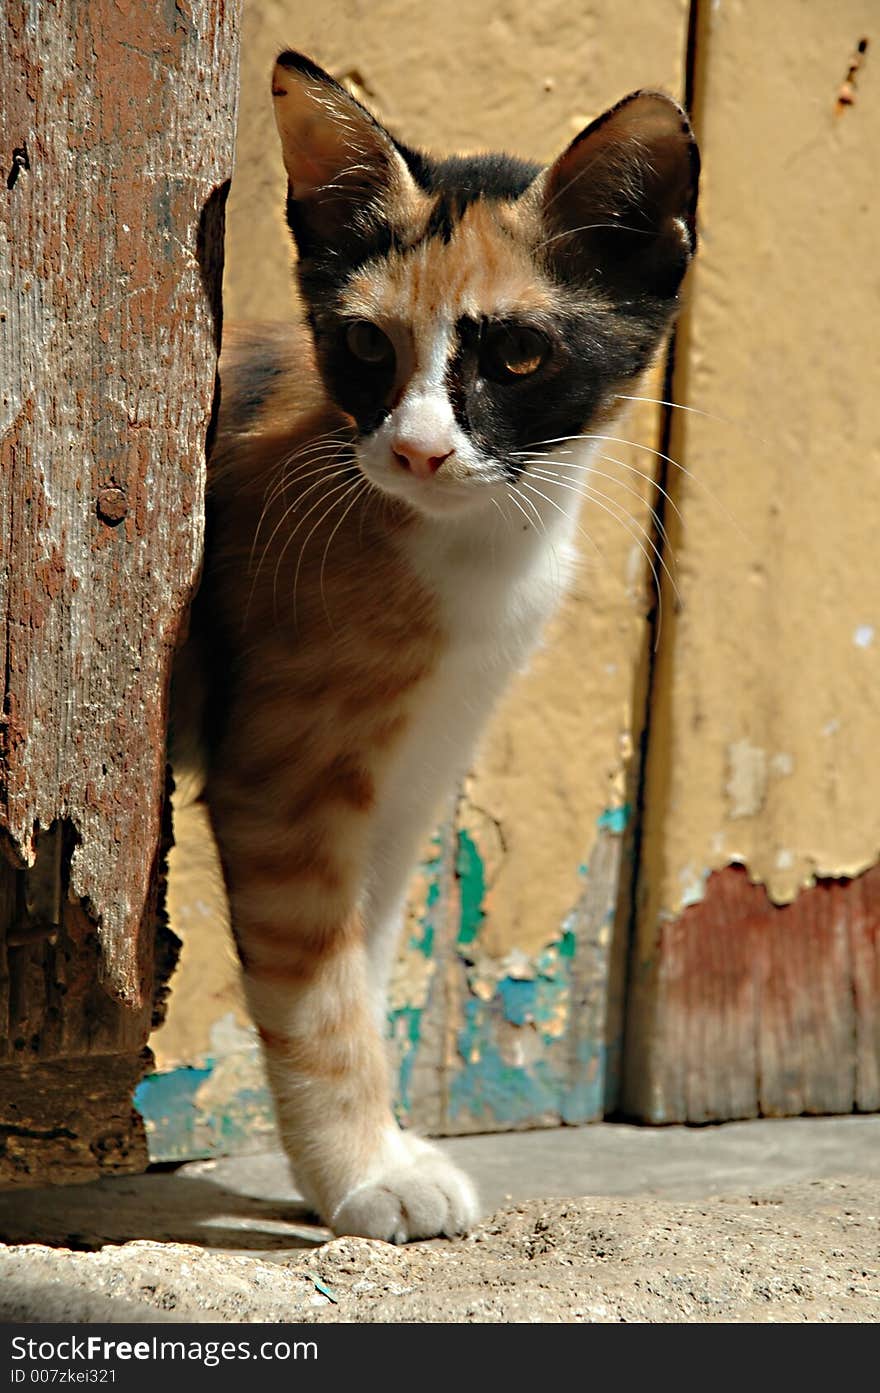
[(497, 579), (500, 572)]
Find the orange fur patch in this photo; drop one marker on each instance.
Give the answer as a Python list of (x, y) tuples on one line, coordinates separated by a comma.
[(486, 268)]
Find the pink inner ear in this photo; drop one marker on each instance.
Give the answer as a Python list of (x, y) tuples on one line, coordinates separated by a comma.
[(320, 150), (314, 168)]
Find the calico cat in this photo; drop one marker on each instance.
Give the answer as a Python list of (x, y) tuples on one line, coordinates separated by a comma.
[(378, 565)]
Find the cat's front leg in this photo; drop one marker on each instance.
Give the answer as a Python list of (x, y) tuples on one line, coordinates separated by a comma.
[(308, 987)]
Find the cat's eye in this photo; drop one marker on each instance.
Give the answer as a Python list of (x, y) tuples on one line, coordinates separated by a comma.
[(368, 343), (511, 351)]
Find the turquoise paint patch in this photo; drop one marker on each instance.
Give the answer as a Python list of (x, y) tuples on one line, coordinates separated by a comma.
[(173, 1093), (432, 869), (567, 944), (585, 1097), (472, 888), (518, 999), (615, 820), (167, 1104), (405, 1023), (488, 1086), (550, 1072)]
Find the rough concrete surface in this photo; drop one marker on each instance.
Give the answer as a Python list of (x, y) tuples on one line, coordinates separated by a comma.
[(756, 1221)]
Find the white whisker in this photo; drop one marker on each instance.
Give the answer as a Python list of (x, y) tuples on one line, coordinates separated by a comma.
[(358, 487), (588, 471), (595, 496), (342, 489), (324, 476), (639, 445)]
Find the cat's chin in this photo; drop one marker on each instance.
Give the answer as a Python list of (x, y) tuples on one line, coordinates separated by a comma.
[(438, 499)]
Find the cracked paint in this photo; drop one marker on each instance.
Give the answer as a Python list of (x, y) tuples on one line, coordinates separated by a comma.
[(521, 1058)]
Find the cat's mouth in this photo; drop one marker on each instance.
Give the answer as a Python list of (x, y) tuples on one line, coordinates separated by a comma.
[(436, 487)]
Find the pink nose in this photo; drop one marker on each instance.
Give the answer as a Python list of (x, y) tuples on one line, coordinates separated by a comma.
[(416, 460)]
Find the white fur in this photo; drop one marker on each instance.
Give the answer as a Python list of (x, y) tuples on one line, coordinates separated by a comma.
[(498, 578), (424, 417), (420, 1195)]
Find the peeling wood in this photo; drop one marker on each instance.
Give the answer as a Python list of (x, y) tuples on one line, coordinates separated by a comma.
[(120, 122), (108, 240), (764, 1010), (763, 707)]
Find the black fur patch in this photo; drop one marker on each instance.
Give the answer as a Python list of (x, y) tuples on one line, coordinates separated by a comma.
[(362, 390), (252, 383), (465, 178), (461, 180), (594, 349)]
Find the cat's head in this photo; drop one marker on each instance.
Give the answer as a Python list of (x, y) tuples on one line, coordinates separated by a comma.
[(467, 309)]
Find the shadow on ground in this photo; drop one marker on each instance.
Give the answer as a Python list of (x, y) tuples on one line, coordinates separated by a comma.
[(162, 1206)]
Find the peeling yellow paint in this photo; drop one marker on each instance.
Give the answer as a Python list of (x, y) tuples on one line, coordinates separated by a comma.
[(411, 979), (746, 784), (765, 712)]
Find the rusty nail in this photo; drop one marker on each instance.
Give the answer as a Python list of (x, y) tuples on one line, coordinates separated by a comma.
[(112, 505)]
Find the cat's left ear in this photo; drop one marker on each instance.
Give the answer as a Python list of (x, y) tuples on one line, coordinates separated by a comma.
[(620, 203), (344, 171)]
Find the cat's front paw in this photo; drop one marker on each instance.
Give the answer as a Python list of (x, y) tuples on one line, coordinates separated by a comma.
[(422, 1196)]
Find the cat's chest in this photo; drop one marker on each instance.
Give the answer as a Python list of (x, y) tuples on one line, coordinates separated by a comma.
[(491, 606), (494, 595)]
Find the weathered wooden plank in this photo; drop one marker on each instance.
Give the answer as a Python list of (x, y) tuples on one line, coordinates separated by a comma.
[(759, 1015), (118, 120), (764, 699), (67, 1124), (109, 238)]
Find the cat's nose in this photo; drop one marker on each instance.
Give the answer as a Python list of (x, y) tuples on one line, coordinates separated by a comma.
[(417, 459)]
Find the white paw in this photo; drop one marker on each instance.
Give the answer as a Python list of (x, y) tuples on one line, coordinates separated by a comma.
[(421, 1196)]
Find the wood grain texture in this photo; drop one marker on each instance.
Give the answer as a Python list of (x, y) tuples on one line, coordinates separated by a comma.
[(768, 1010), (111, 253), (118, 126), (68, 1124)]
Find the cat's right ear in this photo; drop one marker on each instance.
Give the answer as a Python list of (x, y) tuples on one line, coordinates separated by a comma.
[(619, 205), (344, 172)]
